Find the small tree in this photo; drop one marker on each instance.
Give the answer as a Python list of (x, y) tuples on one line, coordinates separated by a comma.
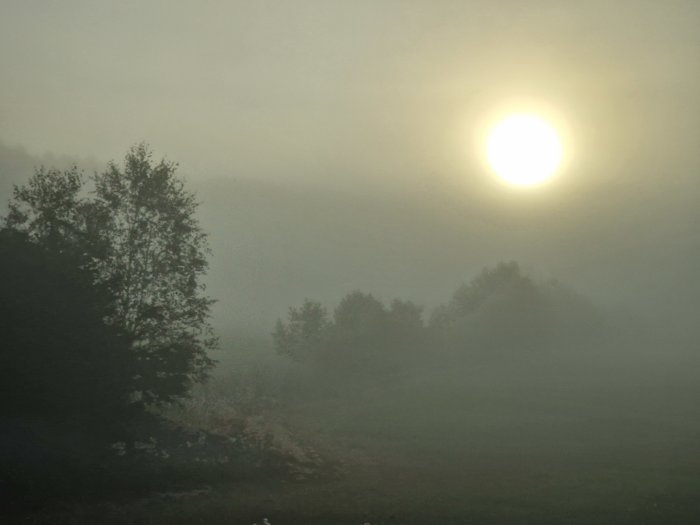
[(304, 333), (138, 235)]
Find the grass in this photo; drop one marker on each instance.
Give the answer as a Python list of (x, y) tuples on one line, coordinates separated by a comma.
[(492, 446)]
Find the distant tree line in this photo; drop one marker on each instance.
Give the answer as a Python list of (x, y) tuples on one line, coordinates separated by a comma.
[(502, 312), (363, 335)]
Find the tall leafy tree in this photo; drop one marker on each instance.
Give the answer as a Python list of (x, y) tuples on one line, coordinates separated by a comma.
[(137, 232), (59, 360), (156, 259)]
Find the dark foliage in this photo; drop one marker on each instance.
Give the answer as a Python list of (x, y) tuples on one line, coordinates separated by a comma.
[(59, 358), (138, 236), (65, 374)]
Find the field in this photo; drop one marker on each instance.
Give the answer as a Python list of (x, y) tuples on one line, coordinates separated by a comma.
[(585, 440)]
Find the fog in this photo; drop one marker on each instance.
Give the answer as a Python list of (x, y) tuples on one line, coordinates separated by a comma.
[(377, 105), (339, 147), (376, 94)]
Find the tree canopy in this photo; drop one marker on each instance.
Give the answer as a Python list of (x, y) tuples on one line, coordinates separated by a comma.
[(137, 233)]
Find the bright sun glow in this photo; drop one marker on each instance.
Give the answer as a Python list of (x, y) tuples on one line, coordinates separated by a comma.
[(524, 150)]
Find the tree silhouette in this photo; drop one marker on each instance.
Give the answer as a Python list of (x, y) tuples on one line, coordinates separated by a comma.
[(503, 309), (59, 360), (138, 235), (304, 333), (363, 338)]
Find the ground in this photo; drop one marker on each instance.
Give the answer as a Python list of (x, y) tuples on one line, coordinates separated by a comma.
[(495, 446)]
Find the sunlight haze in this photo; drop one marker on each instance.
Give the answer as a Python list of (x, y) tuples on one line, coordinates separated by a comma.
[(524, 150), (324, 262)]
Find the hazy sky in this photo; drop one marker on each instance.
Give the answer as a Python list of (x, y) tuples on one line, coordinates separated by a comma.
[(382, 97), (336, 90)]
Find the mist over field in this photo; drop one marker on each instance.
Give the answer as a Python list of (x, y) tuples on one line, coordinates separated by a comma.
[(257, 267)]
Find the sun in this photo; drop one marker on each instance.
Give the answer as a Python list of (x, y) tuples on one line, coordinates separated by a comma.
[(524, 150)]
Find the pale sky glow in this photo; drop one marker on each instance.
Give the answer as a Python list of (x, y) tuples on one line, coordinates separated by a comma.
[(274, 109), (336, 91)]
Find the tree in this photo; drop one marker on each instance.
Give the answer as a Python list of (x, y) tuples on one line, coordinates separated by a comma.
[(157, 257), (406, 329), (59, 360), (304, 333), (50, 210), (363, 338), (359, 315), (505, 283), (358, 330), (137, 233), (501, 308)]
